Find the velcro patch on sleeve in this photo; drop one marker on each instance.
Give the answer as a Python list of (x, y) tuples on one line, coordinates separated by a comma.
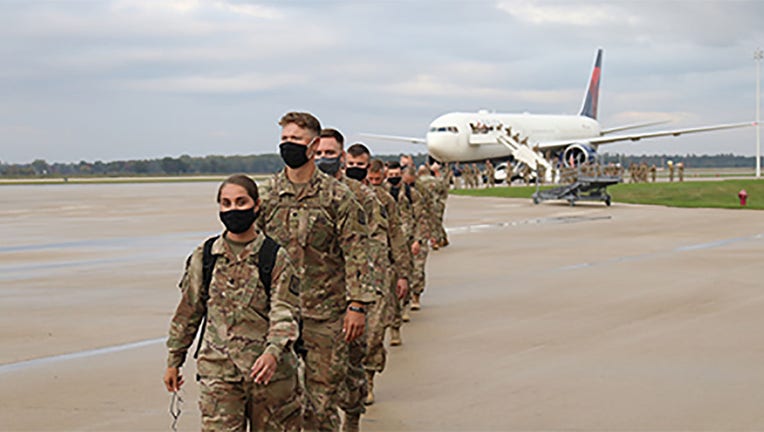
[(294, 286), (361, 217)]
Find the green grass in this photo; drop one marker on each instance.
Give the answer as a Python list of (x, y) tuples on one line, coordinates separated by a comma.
[(694, 194)]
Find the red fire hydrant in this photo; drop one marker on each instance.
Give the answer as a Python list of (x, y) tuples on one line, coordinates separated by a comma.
[(743, 195)]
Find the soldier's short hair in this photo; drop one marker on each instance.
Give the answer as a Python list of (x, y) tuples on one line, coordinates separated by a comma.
[(358, 149), (393, 165), (376, 166), (242, 180), (410, 170), (333, 133), (302, 119)]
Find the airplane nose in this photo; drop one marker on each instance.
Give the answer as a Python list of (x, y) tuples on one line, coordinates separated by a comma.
[(440, 146)]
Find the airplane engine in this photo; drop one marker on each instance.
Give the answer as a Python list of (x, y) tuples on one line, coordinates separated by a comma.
[(578, 154)]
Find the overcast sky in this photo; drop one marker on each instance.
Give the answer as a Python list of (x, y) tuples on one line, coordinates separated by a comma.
[(126, 79)]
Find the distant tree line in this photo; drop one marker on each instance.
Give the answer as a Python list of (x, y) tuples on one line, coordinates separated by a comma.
[(728, 160), (166, 166)]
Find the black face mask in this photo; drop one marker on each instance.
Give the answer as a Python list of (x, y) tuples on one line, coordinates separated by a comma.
[(329, 165), (294, 155), (238, 221), (356, 173), (395, 181)]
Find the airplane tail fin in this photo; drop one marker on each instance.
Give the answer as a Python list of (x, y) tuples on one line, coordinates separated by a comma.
[(589, 108)]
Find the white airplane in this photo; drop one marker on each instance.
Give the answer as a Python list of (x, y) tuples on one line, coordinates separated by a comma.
[(531, 138)]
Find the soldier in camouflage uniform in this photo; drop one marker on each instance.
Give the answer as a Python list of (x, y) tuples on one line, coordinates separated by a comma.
[(490, 173), (440, 208), (426, 185), (397, 261), (447, 176), (330, 157), (324, 228), (416, 225), (246, 366), (401, 239)]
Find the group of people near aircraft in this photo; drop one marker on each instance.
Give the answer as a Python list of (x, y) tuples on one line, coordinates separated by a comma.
[(293, 300)]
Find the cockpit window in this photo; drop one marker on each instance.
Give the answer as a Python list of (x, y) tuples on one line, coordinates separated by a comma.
[(452, 129)]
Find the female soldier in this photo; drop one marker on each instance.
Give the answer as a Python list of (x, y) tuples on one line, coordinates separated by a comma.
[(246, 366)]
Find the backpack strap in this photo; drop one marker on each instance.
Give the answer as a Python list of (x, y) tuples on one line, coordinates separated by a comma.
[(266, 261), (208, 265), (408, 192)]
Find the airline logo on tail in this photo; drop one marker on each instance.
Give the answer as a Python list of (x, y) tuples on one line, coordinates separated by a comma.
[(593, 92)]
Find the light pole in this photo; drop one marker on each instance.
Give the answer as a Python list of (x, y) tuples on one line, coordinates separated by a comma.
[(758, 54)]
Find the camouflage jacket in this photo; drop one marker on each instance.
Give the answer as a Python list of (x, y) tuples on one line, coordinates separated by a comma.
[(414, 222), (427, 186), (377, 245), (442, 189), (242, 323), (400, 254), (324, 229)]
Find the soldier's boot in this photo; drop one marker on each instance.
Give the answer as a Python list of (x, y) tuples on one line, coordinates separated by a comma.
[(369, 388), (405, 315), (415, 305), (395, 337), (352, 422)]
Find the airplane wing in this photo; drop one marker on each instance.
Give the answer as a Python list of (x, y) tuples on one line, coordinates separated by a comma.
[(553, 145), (396, 138), (632, 126)]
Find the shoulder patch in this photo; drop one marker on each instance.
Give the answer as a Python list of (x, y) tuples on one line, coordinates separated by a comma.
[(361, 217), (294, 285)]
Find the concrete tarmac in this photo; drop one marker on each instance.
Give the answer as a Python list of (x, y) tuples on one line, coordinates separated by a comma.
[(541, 317)]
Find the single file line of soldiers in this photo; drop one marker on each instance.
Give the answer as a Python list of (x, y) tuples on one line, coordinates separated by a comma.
[(304, 282)]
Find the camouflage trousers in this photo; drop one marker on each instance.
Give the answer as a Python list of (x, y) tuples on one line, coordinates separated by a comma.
[(440, 231), (326, 366), (378, 317), (398, 306), (229, 406), (420, 259), (353, 391)]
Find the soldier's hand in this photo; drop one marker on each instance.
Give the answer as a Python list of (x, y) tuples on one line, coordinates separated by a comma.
[(172, 379), (264, 368), (354, 325), (402, 288), (415, 248)]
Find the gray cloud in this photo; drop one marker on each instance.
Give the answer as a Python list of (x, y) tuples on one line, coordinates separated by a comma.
[(141, 78)]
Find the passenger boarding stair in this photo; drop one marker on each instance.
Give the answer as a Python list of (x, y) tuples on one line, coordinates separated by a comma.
[(522, 152)]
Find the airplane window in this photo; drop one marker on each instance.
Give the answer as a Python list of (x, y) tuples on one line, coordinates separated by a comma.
[(452, 129)]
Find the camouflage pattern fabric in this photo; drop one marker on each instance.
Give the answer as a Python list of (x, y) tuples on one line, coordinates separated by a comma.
[(325, 231), (229, 406), (416, 228), (354, 389), (326, 366), (241, 325), (399, 266)]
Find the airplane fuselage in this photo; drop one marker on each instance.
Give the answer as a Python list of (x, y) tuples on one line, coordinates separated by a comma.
[(467, 137)]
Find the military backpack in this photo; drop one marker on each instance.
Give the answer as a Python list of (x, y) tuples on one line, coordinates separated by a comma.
[(266, 261)]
